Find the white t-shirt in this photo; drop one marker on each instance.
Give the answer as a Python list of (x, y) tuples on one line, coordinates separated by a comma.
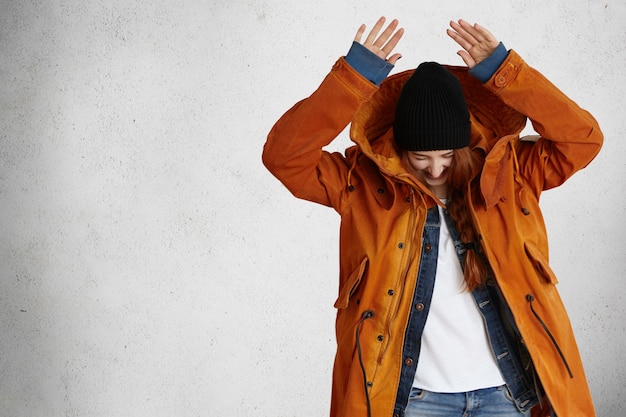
[(456, 355)]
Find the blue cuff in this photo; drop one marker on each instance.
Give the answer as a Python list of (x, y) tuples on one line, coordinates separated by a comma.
[(486, 68), (367, 63)]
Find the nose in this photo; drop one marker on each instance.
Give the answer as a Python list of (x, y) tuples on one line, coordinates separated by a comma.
[(436, 169)]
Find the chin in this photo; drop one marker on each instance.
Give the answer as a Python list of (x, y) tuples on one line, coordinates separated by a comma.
[(438, 182)]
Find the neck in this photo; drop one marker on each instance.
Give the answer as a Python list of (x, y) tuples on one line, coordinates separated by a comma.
[(440, 191)]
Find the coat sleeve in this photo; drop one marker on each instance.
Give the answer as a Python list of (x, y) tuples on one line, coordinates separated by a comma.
[(570, 137), (294, 153)]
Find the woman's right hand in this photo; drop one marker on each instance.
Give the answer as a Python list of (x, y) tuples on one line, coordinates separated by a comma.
[(384, 44)]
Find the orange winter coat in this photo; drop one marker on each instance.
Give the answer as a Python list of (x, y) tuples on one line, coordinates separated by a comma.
[(383, 211)]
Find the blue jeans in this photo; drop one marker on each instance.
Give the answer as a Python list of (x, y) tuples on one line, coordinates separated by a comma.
[(487, 402)]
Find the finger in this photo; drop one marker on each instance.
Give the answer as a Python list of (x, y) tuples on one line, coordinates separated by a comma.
[(468, 28), (359, 33), (391, 44), (484, 33), (478, 33), (374, 32), (467, 58), (394, 58), (386, 34), (464, 30), (459, 39)]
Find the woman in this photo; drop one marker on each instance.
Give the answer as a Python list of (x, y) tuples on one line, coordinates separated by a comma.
[(447, 305)]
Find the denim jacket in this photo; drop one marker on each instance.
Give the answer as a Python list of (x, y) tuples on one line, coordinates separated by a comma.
[(512, 358)]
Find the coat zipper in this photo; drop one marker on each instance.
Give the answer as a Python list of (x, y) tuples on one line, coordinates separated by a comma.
[(368, 314), (530, 298)]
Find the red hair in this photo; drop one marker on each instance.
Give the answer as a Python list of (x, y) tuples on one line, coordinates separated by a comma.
[(465, 166)]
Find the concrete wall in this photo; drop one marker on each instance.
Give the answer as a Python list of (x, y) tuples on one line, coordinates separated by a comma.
[(150, 266)]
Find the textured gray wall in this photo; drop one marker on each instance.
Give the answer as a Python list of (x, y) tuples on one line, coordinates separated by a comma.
[(150, 266)]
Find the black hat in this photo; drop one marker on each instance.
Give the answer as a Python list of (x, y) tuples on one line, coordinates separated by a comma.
[(431, 113)]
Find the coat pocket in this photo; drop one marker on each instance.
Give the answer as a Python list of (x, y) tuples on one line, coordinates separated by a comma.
[(351, 285), (540, 262)]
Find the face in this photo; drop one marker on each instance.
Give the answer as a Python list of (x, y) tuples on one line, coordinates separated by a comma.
[(431, 167)]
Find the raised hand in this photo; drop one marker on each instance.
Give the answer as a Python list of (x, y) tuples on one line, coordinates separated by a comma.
[(384, 44), (477, 42)]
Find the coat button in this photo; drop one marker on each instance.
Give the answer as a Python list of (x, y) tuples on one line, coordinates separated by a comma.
[(419, 307), (428, 247), (408, 361)]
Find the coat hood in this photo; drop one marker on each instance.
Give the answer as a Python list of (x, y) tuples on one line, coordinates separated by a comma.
[(371, 129)]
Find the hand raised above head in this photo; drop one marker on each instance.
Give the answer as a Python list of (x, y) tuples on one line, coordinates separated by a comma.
[(477, 42), (383, 44)]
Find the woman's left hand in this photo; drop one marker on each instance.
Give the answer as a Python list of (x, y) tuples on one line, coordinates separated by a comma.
[(477, 42)]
